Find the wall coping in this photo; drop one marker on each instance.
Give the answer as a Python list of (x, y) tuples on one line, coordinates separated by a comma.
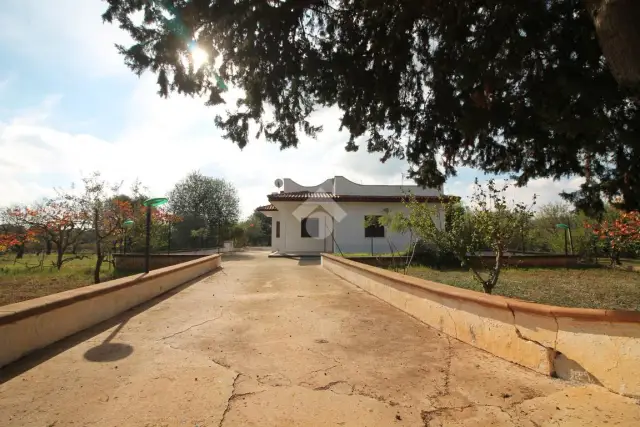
[(498, 301), (529, 256), (137, 255), (13, 312), (559, 256)]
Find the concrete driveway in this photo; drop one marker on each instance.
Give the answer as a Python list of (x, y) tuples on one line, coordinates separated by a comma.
[(281, 342)]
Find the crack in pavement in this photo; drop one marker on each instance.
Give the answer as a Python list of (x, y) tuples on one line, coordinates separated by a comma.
[(447, 373), (190, 327), (445, 390), (354, 391), (322, 354), (229, 400), (331, 384), (220, 363), (427, 416), (322, 370)]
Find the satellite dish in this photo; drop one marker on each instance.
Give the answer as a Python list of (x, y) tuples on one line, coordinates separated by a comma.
[(278, 182)]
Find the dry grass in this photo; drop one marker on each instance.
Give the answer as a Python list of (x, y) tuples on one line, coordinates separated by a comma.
[(587, 287), (24, 280)]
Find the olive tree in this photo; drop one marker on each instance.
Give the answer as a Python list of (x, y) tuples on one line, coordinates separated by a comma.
[(490, 223)]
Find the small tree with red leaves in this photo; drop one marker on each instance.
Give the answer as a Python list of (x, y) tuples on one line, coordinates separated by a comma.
[(107, 212), (16, 238), (58, 220), (617, 235)]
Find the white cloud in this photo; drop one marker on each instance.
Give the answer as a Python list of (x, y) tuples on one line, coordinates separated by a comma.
[(546, 190), (161, 142)]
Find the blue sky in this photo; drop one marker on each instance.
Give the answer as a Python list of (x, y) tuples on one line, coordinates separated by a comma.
[(69, 106)]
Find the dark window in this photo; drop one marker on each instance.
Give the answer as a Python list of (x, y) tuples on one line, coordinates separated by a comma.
[(310, 227), (277, 229), (373, 228)]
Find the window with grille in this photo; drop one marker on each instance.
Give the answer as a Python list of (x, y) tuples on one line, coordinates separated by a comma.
[(373, 228)]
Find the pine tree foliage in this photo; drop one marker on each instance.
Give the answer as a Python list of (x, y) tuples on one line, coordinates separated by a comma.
[(520, 88)]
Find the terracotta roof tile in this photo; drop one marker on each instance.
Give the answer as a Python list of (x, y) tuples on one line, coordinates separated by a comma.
[(301, 195), (266, 208)]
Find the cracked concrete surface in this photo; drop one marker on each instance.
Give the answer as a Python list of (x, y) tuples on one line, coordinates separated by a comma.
[(269, 342)]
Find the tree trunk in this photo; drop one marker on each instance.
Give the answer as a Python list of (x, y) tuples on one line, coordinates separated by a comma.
[(615, 259), (96, 271), (47, 243), (618, 29), (490, 283), (59, 255), (20, 253)]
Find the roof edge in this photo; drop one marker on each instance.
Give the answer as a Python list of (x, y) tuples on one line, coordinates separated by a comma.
[(266, 208), (286, 197)]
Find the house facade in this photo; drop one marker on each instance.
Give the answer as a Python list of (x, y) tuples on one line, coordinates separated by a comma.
[(332, 216)]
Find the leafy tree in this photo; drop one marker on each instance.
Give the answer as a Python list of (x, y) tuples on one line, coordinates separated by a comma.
[(490, 223), (257, 229), (618, 235), (107, 213), (201, 234), (16, 238), (162, 221), (209, 202), (543, 235), (239, 236), (397, 222), (521, 88), (61, 220)]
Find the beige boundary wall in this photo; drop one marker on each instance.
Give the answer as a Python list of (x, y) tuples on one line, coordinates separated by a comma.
[(30, 325), (135, 262), (598, 346)]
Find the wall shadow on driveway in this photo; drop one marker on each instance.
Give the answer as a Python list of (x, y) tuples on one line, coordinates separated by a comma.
[(237, 256), (305, 261), (100, 353)]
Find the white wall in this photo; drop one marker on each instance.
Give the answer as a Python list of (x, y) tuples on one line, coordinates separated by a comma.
[(349, 232), (342, 186), (290, 228), (291, 186), (348, 225)]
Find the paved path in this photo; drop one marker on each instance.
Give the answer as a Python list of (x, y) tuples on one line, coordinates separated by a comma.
[(276, 342)]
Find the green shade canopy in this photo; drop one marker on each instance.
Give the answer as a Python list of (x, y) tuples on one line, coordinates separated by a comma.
[(158, 201), (221, 84), (128, 223), (565, 226)]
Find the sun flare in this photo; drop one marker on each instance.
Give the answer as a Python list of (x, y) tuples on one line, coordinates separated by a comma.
[(199, 57)]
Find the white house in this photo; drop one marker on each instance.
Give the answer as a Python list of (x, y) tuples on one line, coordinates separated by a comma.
[(330, 217)]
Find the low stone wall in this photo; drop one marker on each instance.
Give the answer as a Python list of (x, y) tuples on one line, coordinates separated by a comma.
[(598, 346), (29, 325), (135, 262), (533, 260), (488, 261)]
